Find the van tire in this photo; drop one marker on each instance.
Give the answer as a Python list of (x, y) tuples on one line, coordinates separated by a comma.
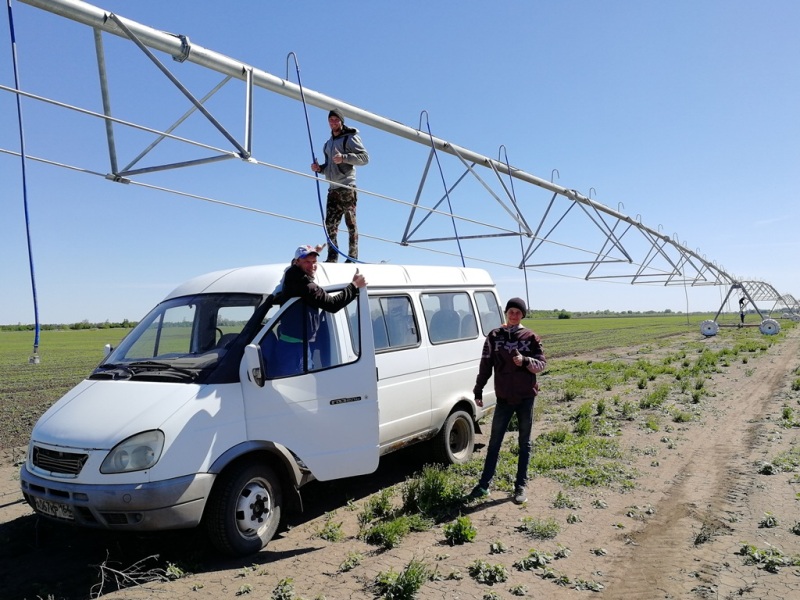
[(244, 493), (453, 445)]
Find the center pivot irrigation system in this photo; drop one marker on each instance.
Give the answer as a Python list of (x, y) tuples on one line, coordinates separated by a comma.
[(560, 230)]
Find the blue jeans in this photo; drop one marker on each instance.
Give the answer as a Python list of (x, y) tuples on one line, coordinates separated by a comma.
[(502, 417)]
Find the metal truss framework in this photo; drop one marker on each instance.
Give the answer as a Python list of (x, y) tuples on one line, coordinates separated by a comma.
[(752, 291), (625, 249)]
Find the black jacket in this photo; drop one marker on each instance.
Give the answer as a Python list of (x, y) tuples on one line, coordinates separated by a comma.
[(296, 284), (512, 384)]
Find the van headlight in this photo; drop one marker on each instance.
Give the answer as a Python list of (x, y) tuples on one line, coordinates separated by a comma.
[(138, 452)]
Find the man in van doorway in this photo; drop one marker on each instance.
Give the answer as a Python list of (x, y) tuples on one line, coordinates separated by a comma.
[(300, 329), (343, 153), (515, 355)]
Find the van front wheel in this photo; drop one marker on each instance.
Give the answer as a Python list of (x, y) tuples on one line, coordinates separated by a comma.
[(454, 443), (244, 510)]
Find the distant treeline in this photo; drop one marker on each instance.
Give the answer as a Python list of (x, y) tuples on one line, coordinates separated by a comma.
[(560, 313), (556, 313), (124, 324)]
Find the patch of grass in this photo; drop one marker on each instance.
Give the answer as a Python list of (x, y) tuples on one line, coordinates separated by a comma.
[(682, 416), (497, 547), (629, 410), (460, 531), (377, 506), (536, 559), (583, 426), (787, 461), (540, 529), (655, 398), (404, 585), (580, 460), (351, 561), (483, 572), (284, 590), (389, 534), (330, 531), (562, 500), (769, 559), (651, 423), (769, 521), (437, 493)]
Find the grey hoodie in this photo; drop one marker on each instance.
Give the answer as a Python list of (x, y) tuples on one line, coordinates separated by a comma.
[(349, 145)]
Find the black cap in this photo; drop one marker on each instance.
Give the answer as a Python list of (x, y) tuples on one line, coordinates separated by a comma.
[(335, 112), (517, 303)]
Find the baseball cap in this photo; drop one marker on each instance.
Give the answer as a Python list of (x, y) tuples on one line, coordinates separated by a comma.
[(304, 251)]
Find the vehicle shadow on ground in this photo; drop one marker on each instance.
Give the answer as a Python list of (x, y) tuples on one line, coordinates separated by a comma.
[(40, 558)]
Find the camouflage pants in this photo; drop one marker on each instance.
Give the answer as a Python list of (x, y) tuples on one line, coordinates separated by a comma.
[(341, 203)]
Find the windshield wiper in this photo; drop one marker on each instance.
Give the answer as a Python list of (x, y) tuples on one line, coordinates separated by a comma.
[(116, 366), (158, 365), (111, 368)]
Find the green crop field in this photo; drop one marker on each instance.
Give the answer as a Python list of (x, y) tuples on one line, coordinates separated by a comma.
[(574, 336), (67, 356), (27, 390)]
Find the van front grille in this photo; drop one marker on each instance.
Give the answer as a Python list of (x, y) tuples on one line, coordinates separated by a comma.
[(53, 461)]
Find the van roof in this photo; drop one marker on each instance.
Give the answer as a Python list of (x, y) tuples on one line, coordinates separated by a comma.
[(262, 279)]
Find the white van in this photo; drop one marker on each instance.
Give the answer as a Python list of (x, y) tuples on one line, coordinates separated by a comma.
[(188, 422)]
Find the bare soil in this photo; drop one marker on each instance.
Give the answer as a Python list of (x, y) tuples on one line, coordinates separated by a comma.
[(699, 496)]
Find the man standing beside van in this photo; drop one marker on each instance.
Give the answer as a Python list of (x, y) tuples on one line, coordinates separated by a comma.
[(300, 330), (343, 153), (515, 355)]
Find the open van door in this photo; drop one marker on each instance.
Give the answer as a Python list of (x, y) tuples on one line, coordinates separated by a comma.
[(324, 409)]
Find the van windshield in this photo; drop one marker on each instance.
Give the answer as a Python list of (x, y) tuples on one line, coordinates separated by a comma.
[(180, 338)]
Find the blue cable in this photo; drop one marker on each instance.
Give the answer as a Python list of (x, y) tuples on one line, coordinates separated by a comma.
[(314, 159), (35, 357)]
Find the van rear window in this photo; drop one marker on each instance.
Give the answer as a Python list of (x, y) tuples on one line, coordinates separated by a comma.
[(489, 311), (393, 323), (450, 316)]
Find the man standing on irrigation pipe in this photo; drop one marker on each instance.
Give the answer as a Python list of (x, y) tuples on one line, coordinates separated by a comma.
[(343, 153), (515, 354)]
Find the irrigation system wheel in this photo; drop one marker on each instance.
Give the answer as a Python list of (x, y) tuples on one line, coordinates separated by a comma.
[(709, 328), (769, 327)]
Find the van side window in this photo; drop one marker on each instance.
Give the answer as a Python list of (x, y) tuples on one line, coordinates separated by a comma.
[(393, 324), (168, 335), (450, 316), (352, 320), (230, 322), (489, 311), (289, 348)]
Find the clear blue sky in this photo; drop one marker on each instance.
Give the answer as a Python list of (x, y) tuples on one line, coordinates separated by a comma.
[(685, 113)]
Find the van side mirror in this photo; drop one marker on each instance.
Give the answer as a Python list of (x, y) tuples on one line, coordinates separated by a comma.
[(108, 348), (255, 364)]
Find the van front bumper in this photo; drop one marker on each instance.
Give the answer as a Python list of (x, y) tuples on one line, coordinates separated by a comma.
[(172, 504)]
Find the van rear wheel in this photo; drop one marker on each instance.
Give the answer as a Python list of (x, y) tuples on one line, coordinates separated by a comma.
[(455, 442), (244, 510)]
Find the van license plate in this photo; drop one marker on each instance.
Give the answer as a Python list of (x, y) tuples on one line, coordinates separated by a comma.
[(54, 509)]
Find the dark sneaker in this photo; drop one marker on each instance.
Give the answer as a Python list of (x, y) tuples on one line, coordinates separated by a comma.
[(519, 496), (478, 492)]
